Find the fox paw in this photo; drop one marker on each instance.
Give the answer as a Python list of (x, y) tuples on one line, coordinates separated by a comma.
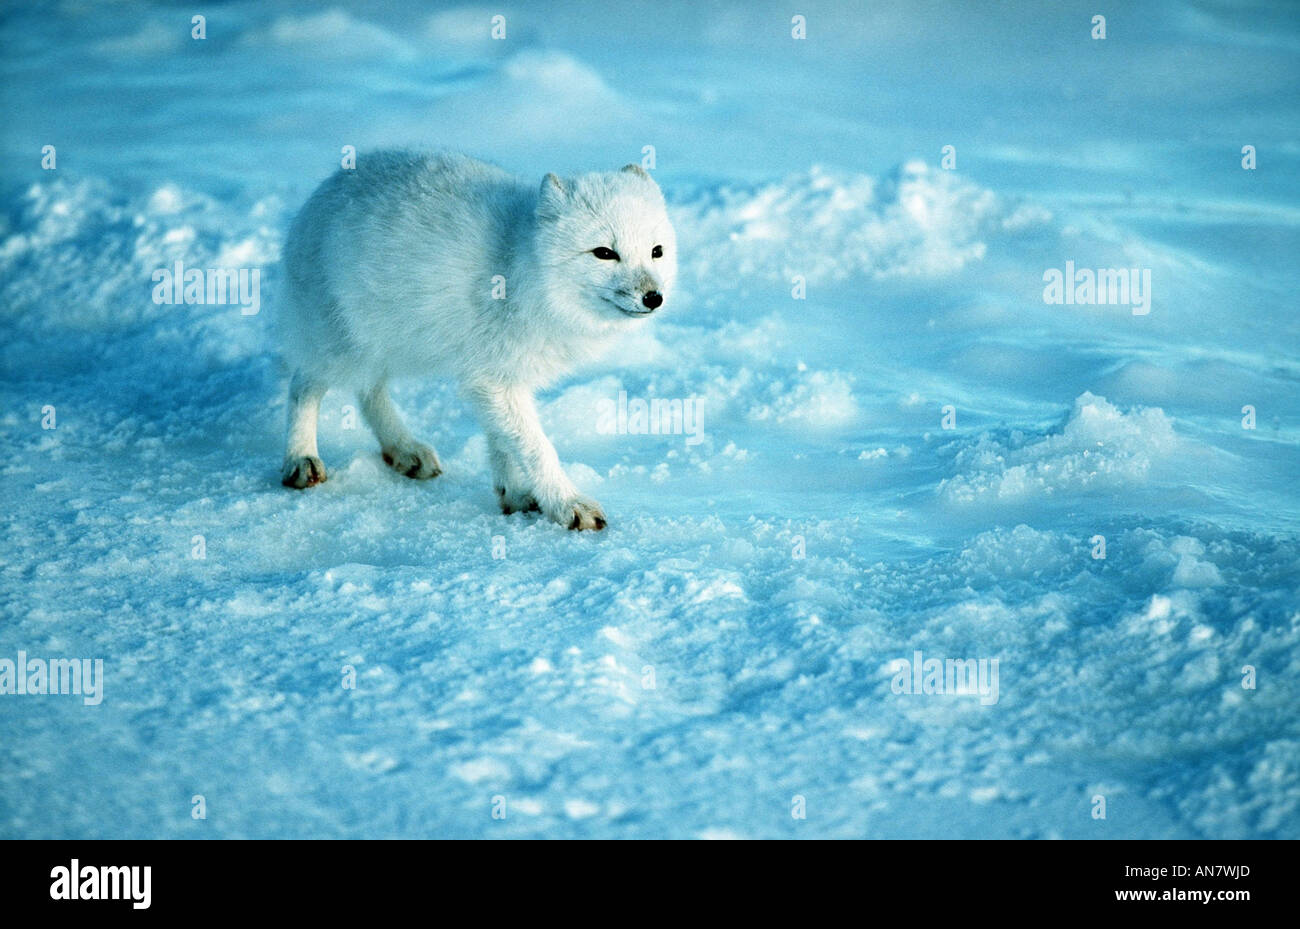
[(417, 461), (303, 471), (516, 501), (578, 513)]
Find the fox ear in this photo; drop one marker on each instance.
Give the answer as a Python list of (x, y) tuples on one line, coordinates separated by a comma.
[(636, 169), (553, 186)]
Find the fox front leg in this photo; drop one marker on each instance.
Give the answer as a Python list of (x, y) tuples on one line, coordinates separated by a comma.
[(509, 416)]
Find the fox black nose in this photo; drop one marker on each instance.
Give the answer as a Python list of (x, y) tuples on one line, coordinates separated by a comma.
[(652, 300)]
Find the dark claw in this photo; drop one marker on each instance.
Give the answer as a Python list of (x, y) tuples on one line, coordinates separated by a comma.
[(529, 505), (299, 479)]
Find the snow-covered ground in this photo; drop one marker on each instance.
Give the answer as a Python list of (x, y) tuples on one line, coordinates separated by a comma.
[(722, 659)]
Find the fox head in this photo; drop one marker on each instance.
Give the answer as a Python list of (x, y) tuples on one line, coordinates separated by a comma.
[(608, 249)]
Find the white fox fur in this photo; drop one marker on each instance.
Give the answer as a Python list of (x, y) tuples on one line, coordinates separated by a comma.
[(390, 271)]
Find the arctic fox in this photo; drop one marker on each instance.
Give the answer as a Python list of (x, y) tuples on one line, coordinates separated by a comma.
[(414, 265)]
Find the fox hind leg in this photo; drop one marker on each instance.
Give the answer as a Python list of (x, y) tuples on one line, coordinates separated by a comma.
[(302, 464), (401, 451)]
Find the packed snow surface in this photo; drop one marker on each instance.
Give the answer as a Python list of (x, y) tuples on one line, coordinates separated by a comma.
[(900, 447)]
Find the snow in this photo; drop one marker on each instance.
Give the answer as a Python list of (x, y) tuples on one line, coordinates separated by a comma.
[(1098, 447), (377, 657)]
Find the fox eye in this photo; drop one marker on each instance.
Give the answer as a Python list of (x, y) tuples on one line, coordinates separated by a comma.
[(605, 254), (657, 252)]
